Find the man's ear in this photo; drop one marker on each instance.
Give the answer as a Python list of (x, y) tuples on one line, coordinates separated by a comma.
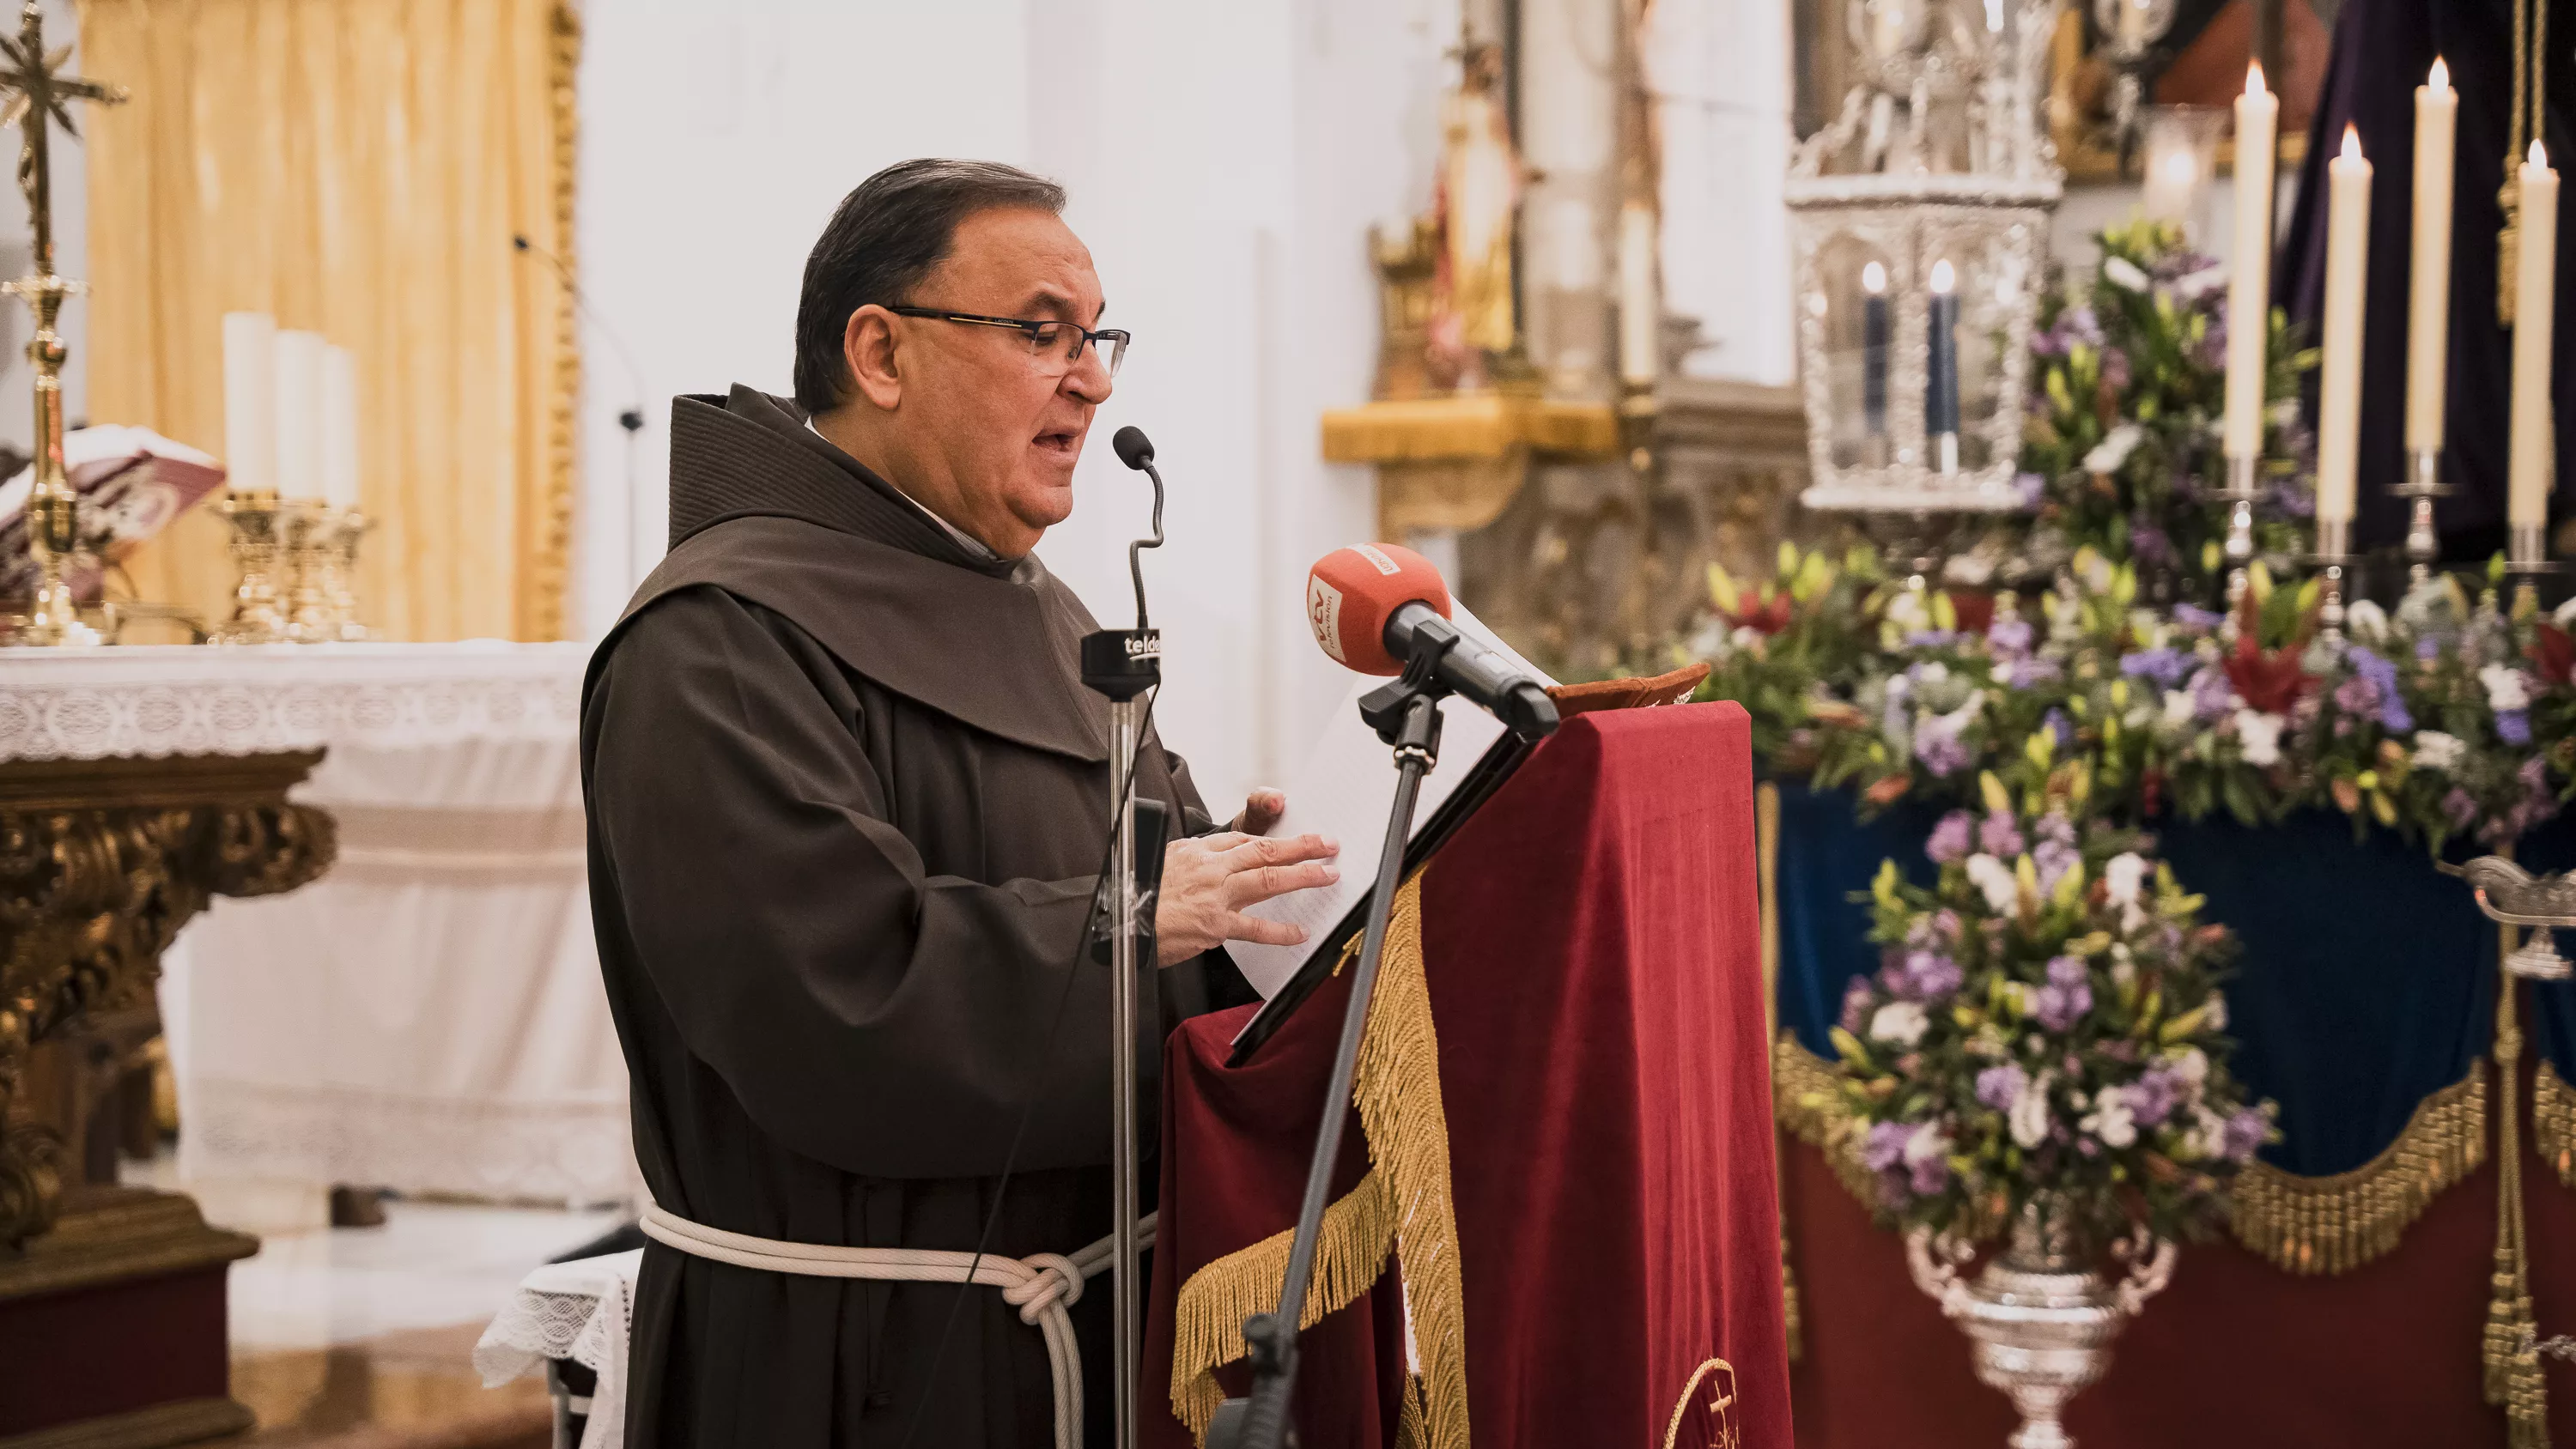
[(868, 347)]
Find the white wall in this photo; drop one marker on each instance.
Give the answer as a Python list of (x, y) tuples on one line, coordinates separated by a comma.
[(1720, 72), (1224, 161)]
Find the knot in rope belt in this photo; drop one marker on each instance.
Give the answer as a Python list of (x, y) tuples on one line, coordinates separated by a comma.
[(1042, 1286)]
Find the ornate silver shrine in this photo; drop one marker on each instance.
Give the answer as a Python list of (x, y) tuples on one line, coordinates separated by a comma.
[(1938, 157)]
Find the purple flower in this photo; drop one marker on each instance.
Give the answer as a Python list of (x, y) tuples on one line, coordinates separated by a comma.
[(2054, 858), (2167, 667), (2055, 826), (2059, 726), (2115, 369), (1938, 746), (2245, 1132), (2194, 616), (2212, 697), (2428, 649), (2513, 726), (2460, 808), (1999, 836), (1931, 639), (2023, 673), (2150, 545), (1931, 1174), (1932, 976), (1856, 999), (1884, 1147), (2009, 636), (1945, 922), (1999, 1087), (2155, 1094), (2032, 486), (2067, 996)]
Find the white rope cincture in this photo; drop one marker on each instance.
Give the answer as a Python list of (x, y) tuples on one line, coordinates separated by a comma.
[(1042, 1286)]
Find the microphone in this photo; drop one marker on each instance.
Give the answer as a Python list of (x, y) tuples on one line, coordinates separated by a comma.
[(1137, 451), (1378, 609)]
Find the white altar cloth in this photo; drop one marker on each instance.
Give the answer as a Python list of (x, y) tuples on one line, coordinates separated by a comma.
[(578, 1312), (428, 1015)]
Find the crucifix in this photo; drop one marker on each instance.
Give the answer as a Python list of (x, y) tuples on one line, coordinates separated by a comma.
[(38, 92)]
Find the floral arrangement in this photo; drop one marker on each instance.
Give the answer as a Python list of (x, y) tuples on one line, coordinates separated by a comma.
[(2121, 442), (2449, 717), (2047, 1027)]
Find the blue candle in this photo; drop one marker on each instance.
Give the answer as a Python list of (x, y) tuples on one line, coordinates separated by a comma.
[(1941, 388), (1875, 332)]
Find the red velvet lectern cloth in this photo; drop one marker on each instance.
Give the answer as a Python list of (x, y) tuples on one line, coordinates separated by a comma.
[(1590, 944)]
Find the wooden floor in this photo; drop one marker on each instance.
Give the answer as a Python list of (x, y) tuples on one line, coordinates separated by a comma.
[(414, 1389)]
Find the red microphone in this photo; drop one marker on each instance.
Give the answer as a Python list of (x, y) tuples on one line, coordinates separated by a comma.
[(1352, 594), (1375, 606)]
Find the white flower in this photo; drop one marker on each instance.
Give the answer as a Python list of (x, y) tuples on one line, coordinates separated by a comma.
[(1928, 1144), (2215, 1018), (2507, 687), (2564, 614), (2121, 272), (2260, 735), (2126, 872), (1933, 671), (2435, 750), (2111, 1120), (1902, 1022), (1745, 640), (2367, 621), (2191, 1064), (2205, 1137), (1908, 612), (1995, 878), (2179, 707), (2114, 449), (2194, 284), (2029, 1114)]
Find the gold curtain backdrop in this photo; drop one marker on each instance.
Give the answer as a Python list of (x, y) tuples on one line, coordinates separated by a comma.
[(357, 168)]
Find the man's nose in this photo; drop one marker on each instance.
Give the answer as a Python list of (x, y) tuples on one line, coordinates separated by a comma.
[(1088, 380)]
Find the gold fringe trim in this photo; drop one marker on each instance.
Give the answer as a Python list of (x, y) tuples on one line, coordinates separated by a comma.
[(2510, 1350), (1207, 1322), (1404, 1201), (2327, 1225), (2553, 1121), (1807, 1101), (1412, 1420), (550, 561)]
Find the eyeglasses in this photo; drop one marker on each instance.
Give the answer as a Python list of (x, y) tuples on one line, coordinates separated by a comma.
[(1058, 343)]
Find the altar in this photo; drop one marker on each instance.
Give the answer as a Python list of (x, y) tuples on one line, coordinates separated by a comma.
[(427, 1017)]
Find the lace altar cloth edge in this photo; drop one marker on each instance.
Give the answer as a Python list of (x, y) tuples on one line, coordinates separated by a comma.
[(581, 1311), (163, 700)]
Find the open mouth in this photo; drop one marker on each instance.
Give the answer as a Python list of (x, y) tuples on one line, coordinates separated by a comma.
[(1058, 440)]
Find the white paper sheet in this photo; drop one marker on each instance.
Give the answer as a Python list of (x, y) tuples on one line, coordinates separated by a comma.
[(1344, 790)]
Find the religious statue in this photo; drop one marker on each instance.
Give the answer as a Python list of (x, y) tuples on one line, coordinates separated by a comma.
[(1477, 203)]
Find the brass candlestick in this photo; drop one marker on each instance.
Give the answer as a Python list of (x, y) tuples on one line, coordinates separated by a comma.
[(259, 558), (37, 91), (309, 545), (340, 575)]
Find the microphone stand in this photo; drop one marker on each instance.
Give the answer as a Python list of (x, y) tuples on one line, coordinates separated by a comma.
[(1124, 664), (1405, 714)]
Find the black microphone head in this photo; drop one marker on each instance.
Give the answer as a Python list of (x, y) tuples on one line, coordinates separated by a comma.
[(1132, 447)]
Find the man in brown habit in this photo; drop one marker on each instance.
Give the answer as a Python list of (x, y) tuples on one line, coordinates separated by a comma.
[(848, 799)]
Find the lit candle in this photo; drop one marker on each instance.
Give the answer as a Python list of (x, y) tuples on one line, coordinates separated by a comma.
[(1941, 388), (2535, 300), (2133, 26), (2249, 289), (2347, 276), (250, 402), (339, 427), (2428, 317), (1875, 330), (299, 416), (1637, 306)]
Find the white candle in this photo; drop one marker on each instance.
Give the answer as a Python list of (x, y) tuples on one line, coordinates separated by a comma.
[(2347, 278), (2428, 316), (2249, 288), (299, 415), (2535, 302), (339, 427), (250, 401), (1638, 345)]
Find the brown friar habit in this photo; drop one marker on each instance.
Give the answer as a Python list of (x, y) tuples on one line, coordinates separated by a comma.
[(848, 800)]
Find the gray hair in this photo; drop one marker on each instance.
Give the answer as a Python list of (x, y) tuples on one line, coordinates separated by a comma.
[(882, 240)]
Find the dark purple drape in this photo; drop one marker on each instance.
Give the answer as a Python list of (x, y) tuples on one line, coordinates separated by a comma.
[(2382, 50)]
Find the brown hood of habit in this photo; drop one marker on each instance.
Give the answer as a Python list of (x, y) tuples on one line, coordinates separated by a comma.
[(766, 510)]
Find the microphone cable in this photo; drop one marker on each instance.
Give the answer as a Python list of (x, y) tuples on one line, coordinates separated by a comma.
[(631, 417), (1038, 1082)]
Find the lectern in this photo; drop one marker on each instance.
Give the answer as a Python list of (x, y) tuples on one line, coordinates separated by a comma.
[(1558, 1221)]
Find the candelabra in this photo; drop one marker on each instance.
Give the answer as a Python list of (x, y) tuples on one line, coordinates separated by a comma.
[(259, 546), (340, 575), (2423, 485), (2240, 496), (2333, 559), (2131, 30)]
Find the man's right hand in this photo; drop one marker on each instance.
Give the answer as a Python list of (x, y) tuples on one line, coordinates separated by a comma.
[(1209, 881)]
